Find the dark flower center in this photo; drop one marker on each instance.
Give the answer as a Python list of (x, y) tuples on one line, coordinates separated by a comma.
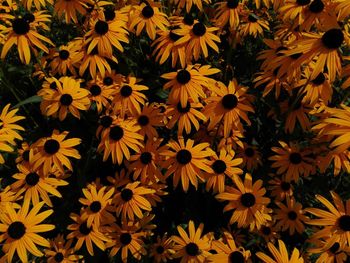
[(192, 249), (108, 81), (316, 6), (266, 230), (84, 229), (29, 18), (199, 29), (95, 206), (143, 120), (303, 2), (183, 76), (188, 20), (146, 157), (249, 152), (58, 257), (252, 18), (295, 158), (53, 85), (333, 38), (219, 166), (319, 79), (292, 215), (160, 250), (125, 239), (25, 155), (64, 54), (32, 179), (232, 3), (183, 156), (236, 257), (248, 200), (66, 99), (95, 90), (126, 194), (183, 110), (126, 91), (106, 121), (229, 101), (101, 27), (51, 146), (20, 26), (147, 11), (116, 133), (334, 249), (344, 222), (109, 14), (173, 36), (285, 186), (16, 230)]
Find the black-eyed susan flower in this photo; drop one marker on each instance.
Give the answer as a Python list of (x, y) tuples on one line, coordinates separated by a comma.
[(228, 104), (328, 252), (192, 247), (190, 82), (197, 38), (101, 94), (144, 165), (280, 189), (70, 8), (251, 156), (280, 254), (104, 35), (23, 153), (127, 238), (248, 202), (98, 205), (9, 198), (53, 151), (66, 59), (186, 161), (162, 250), (253, 25), (324, 48), (119, 139), (334, 223), (164, 47), (291, 161), (22, 34), (223, 165), (290, 216), (187, 118), (86, 235), (8, 125), (66, 97), (19, 229), (36, 186), (129, 97), (228, 12), (149, 119), (148, 16), (61, 250), (132, 200), (228, 251)]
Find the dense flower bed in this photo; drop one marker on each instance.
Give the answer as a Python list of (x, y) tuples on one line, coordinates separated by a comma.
[(175, 131)]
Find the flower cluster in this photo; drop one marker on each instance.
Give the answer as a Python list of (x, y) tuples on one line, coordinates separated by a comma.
[(175, 131)]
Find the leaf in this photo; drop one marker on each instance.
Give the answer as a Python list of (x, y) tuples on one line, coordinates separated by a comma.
[(32, 99)]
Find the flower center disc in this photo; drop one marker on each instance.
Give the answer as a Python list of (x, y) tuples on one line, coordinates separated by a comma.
[(295, 158), (58, 257), (146, 157), (125, 239), (199, 29), (303, 2), (95, 90), (143, 120), (344, 222), (95, 206), (285, 186), (32, 179), (64, 54), (16, 230), (126, 194), (192, 249), (183, 76), (248, 200), (249, 152), (108, 81), (109, 14), (316, 6), (236, 257), (229, 101), (116, 133), (292, 215), (51, 146), (219, 166), (147, 11), (126, 91), (333, 38), (106, 121), (84, 229), (232, 3), (183, 156), (66, 99), (101, 27), (20, 26), (160, 250)]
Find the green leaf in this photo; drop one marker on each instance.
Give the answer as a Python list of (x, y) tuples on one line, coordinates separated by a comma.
[(32, 99)]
